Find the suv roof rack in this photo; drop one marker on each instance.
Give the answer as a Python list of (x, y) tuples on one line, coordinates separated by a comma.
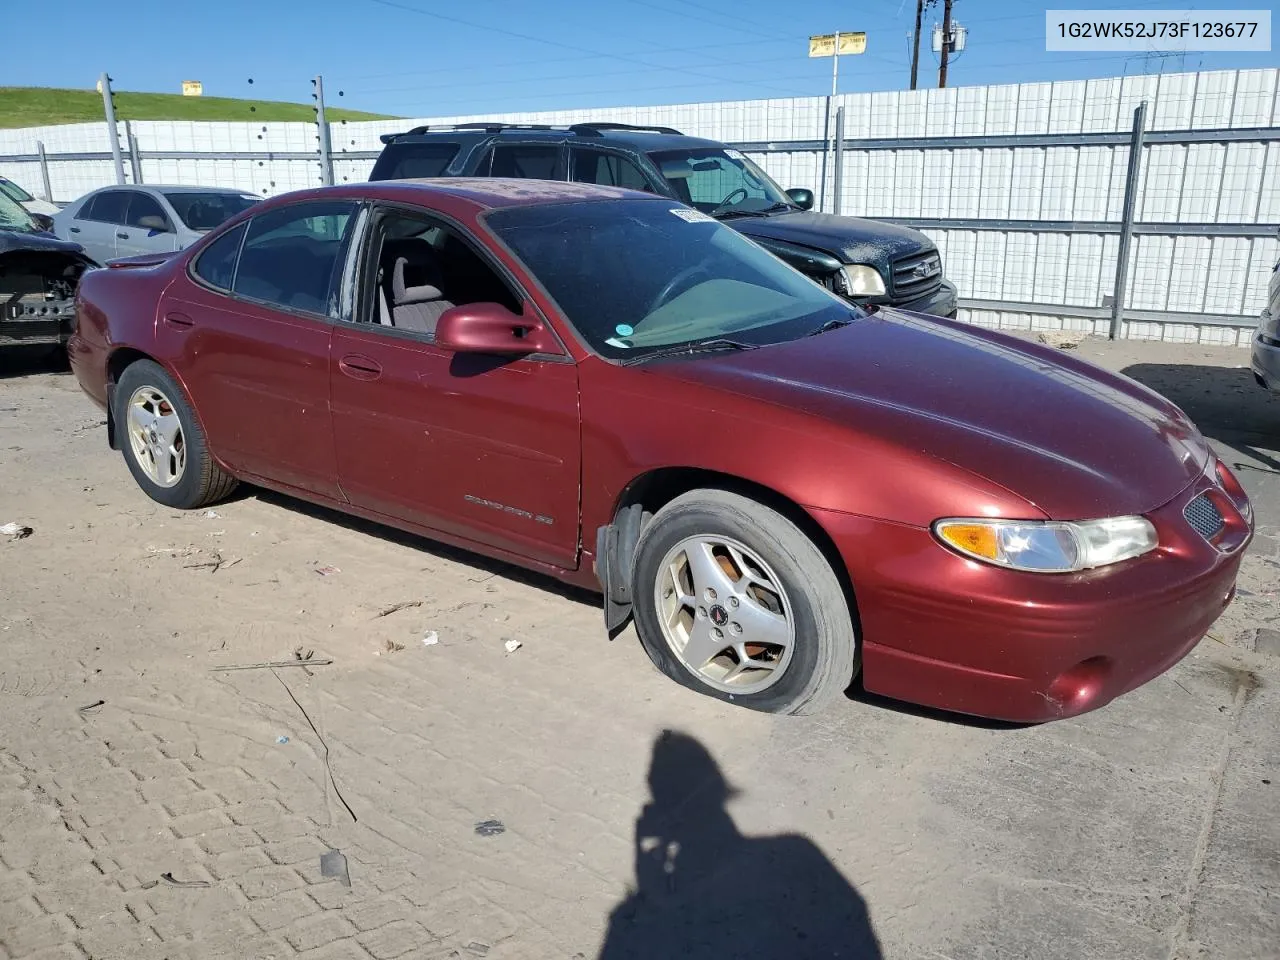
[(596, 129), (491, 126)]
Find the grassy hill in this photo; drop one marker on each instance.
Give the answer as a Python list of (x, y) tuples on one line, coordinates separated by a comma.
[(39, 106)]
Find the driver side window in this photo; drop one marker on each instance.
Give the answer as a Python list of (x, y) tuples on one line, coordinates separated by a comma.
[(714, 181), (422, 268)]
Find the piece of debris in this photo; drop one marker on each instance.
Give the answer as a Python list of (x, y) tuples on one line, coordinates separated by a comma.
[(327, 571), (1062, 339), (478, 948), (16, 531), (89, 708), (513, 645), (397, 607), (490, 828), (1267, 640), (393, 647), (218, 562), (272, 664), (431, 639), (212, 515), (300, 654), (334, 864), (282, 739), (193, 884)]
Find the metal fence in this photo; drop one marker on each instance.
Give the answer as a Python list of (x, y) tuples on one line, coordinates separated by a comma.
[(1145, 206)]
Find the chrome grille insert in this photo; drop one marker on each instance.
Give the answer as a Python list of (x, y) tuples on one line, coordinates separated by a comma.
[(916, 276)]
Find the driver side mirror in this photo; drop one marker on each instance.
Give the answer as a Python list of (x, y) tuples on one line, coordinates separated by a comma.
[(801, 197), (492, 328), (156, 223)]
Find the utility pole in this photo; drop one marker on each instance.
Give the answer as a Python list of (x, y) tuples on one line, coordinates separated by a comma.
[(921, 5), (946, 42)]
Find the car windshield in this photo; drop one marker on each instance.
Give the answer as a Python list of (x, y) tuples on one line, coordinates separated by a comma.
[(204, 211), (14, 218), (635, 276), (14, 191), (717, 181)]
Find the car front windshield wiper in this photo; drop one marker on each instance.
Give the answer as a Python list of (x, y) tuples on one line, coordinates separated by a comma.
[(833, 324), (688, 349)]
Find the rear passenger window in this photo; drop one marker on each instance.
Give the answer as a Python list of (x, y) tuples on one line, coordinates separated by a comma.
[(110, 206), (409, 161), (292, 256), (216, 265), (521, 160), (608, 169)]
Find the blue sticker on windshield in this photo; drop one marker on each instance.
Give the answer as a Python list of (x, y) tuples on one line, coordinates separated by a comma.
[(624, 330)]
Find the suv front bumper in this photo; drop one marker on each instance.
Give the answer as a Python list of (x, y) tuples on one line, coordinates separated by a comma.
[(940, 303), (1266, 361)]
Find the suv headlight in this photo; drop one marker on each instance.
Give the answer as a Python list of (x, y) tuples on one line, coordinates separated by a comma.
[(1048, 546), (863, 280)]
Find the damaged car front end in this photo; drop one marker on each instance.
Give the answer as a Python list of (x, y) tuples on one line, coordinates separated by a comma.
[(39, 275)]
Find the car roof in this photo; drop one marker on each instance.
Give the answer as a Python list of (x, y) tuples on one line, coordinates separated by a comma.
[(493, 192), (172, 188), (637, 138)]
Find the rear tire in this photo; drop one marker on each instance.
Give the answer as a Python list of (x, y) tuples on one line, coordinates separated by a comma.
[(162, 440), (718, 570)]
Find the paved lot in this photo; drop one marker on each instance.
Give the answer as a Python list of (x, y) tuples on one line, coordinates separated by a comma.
[(1146, 830)]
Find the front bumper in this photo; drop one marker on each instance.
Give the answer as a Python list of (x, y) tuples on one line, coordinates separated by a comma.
[(951, 633), (939, 303), (1266, 361)]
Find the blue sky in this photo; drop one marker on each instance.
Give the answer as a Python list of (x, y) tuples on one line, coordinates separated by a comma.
[(432, 58)]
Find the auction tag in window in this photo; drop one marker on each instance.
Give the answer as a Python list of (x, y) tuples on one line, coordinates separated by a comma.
[(734, 155), (692, 216)]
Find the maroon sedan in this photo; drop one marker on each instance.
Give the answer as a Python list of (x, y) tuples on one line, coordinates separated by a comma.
[(620, 392)]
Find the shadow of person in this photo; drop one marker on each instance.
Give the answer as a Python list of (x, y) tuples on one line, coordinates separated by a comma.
[(706, 892)]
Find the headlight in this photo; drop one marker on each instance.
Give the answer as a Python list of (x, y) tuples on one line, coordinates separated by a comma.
[(1049, 547), (864, 281)]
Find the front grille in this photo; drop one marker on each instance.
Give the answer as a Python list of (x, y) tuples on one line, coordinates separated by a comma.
[(916, 276), (1203, 514)]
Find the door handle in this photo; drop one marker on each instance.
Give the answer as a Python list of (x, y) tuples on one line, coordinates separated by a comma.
[(122, 236), (360, 368), (179, 320), (75, 229)]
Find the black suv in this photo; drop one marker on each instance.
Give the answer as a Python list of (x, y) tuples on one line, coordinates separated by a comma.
[(868, 261)]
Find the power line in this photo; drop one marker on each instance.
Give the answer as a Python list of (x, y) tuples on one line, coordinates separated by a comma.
[(553, 43)]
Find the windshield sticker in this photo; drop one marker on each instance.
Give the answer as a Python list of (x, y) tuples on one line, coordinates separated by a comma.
[(624, 330), (692, 216), (734, 155)]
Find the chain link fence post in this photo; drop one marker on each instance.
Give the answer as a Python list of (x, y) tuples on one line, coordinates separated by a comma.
[(44, 171), (1126, 223), (135, 157), (837, 165), (322, 125), (109, 110)]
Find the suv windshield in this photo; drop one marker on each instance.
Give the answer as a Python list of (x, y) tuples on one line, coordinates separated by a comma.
[(717, 180), (635, 276), (204, 211), (13, 217), (14, 191)]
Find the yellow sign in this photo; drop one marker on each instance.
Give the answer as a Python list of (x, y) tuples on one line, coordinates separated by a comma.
[(192, 88), (825, 46)]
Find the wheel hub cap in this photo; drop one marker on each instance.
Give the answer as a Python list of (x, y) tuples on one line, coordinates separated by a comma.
[(724, 614), (155, 436)]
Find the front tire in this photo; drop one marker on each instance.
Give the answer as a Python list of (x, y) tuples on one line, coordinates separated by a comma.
[(162, 441), (734, 601)]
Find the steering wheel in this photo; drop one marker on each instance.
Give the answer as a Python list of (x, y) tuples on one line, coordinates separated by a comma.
[(675, 283), (730, 199)]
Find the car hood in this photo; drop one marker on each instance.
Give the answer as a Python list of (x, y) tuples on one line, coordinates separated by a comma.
[(851, 239), (11, 241), (1075, 441)]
